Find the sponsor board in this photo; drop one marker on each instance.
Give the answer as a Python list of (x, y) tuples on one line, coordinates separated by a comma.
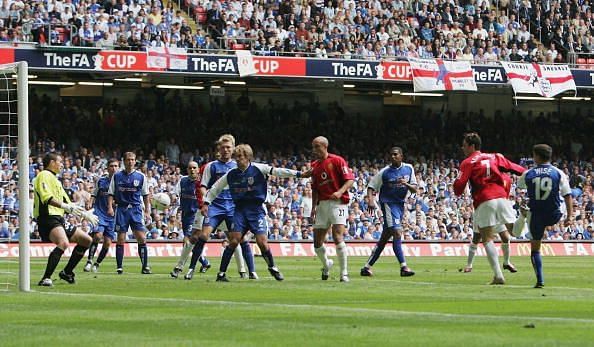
[(306, 249)]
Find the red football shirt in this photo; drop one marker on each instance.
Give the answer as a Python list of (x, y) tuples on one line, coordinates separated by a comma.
[(329, 175), (198, 185), (484, 171)]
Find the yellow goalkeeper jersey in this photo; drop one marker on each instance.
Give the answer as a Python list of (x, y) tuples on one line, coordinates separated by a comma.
[(46, 187)]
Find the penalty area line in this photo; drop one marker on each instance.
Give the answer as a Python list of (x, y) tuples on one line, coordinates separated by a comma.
[(308, 307)]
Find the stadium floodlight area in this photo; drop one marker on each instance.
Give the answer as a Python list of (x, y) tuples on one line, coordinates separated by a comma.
[(14, 150)]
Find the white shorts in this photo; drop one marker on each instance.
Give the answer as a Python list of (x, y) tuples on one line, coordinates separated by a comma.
[(199, 221), (493, 213), (330, 212)]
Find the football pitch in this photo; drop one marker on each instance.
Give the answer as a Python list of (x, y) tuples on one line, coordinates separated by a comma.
[(439, 306)]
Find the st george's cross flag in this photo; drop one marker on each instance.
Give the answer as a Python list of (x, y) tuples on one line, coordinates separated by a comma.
[(545, 80), (438, 75), (167, 58)]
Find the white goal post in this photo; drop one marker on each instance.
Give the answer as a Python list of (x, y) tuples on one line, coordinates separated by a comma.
[(7, 72)]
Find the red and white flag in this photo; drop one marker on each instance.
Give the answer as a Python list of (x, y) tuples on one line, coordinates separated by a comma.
[(545, 80), (167, 58), (437, 75)]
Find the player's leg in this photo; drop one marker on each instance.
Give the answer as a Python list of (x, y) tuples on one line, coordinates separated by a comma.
[(487, 236), (241, 263), (121, 227), (405, 271), (208, 225), (245, 257), (377, 250), (537, 228), (108, 238), (52, 230), (140, 236), (321, 226), (83, 241), (487, 216), (505, 236), (338, 221), (234, 240), (257, 224), (97, 236), (476, 239)]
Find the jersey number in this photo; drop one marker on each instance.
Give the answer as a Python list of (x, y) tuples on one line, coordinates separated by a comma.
[(487, 164), (542, 187)]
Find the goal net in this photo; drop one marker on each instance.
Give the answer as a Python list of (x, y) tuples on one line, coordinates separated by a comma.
[(14, 178)]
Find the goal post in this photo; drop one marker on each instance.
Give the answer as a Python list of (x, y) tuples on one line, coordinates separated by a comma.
[(23, 164)]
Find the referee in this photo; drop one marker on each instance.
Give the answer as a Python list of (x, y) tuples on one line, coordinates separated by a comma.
[(51, 202)]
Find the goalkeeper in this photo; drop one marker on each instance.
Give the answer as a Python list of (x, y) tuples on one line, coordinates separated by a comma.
[(51, 202)]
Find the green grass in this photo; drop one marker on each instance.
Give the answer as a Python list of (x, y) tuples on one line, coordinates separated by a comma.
[(439, 306)]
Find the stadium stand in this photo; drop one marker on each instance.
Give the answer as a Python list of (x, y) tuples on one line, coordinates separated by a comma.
[(430, 143), (482, 31)]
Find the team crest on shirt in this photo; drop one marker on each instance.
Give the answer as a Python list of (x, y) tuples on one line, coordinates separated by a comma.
[(406, 178), (136, 183), (250, 180), (324, 175), (345, 170)]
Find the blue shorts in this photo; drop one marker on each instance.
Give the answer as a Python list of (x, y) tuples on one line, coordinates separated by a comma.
[(106, 227), (392, 215), (188, 222), (132, 217), (217, 216), (537, 224), (250, 219)]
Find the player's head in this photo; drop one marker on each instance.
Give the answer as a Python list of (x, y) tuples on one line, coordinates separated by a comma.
[(319, 147), (243, 155), (542, 153), (225, 146), (193, 169), (471, 143), (396, 155), (112, 166), (129, 161), (53, 162)]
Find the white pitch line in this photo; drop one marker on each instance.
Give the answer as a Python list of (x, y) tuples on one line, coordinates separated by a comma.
[(336, 308)]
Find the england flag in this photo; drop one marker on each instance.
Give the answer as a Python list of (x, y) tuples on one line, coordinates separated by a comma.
[(167, 58), (545, 80), (439, 75)]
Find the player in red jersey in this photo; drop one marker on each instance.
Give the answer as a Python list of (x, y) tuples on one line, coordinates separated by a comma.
[(484, 171), (331, 180), (504, 234)]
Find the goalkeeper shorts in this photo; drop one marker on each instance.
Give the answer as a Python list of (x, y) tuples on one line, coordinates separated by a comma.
[(46, 224)]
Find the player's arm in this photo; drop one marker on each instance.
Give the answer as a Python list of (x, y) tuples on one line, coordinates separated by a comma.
[(375, 184), (506, 165), (348, 176), (111, 193), (42, 187), (462, 179), (212, 194), (411, 184), (268, 170), (145, 196), (565, 191)]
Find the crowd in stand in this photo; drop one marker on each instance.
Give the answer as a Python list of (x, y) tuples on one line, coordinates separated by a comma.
[(482, 31), (283, 138)]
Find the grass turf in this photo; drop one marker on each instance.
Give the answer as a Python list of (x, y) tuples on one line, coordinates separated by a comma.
[(438, 306)]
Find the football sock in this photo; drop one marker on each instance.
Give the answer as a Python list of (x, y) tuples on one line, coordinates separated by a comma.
[(225, 259), (102, 255), (493, 258), (203, 261), (197, 252), (143, 254), (77, 254), (505, 249), (185, 253), (375, 254), (321, 253), (238, 255), (52, 262), (92, 250), (267, 255), (119, 256), (397, 247), (248, 256), (342, 258), (537, 265), (471, 253)]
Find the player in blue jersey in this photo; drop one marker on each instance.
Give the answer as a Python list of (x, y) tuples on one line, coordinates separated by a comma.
[(189, 205), (247, 185), (393, 183), (220, 213), (546, 185), (106, 228), (129, 189)]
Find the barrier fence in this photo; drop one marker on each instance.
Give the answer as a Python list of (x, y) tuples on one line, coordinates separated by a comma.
[(306, 249)]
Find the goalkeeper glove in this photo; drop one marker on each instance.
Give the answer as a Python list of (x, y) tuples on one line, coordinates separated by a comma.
[(90, 217), (72, 208)]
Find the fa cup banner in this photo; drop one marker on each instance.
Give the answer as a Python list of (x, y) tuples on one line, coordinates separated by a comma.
[(545, 80), (438, 75)]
